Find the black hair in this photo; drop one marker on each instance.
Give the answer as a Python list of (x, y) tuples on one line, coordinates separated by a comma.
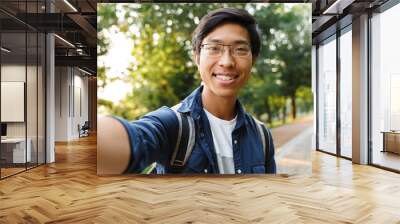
[(222, 16)]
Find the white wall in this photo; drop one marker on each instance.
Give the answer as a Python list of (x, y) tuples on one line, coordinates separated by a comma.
[(33, 126), (71, 102), (15, 73), (360, 90), (62, 81), (50, 96)]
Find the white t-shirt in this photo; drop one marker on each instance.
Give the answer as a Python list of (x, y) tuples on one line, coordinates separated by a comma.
[(222, 136)]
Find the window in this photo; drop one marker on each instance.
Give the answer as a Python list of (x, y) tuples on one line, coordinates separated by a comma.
[(327, 96), (385, 88), (22, 78), (346, 92)]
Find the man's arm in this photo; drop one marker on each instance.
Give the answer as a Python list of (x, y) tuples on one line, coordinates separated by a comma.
[(113, 148)]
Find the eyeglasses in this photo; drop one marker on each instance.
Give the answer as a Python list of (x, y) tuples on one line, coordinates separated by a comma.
[(217, 50)]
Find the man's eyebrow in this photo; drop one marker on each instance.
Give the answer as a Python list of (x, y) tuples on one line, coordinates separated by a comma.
[(235, 42), (241, 42), (214, 41)]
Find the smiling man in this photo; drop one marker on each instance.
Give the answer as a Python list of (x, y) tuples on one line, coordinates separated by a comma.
[(209, 131)]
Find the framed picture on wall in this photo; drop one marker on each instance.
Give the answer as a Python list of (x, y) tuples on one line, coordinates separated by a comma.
[(12, 101)]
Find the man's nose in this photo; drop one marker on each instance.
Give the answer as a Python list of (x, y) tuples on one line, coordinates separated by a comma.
[(226, 59)]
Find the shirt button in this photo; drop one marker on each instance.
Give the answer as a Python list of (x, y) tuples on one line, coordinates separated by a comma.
[(205, 171), (235, 142), (202, 134), (239, 171)]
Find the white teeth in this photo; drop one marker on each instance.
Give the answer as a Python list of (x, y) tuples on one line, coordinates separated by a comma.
[(224, 77)]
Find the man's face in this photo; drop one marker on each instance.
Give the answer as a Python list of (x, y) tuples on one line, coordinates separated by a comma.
[(225, 74)]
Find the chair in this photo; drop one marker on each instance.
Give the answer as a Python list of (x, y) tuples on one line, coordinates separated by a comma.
[(84, 130)]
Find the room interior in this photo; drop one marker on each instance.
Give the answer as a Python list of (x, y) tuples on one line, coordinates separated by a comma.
[(47, 83), (48, 173)]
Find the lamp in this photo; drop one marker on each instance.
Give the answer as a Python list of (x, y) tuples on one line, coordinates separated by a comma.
[(64, 40), (84, 71), (337, 7), (5, 50), (70, 5)]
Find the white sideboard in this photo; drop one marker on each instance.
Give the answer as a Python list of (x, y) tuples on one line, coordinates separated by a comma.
[(18, 149)]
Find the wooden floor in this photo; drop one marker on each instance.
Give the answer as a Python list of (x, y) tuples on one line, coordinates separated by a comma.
[(11, 170), (69, 191), (387, 159)]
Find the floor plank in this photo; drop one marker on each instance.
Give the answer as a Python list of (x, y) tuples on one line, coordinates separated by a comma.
[(69, 191)]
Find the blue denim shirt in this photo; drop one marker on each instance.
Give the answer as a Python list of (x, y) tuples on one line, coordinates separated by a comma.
[(153, 137)]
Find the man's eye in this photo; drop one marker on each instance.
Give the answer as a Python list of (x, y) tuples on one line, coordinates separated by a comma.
[(212, 48), (244, 49)]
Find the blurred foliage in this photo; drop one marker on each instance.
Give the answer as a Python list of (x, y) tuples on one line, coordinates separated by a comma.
[(163, 72), (106, 19)]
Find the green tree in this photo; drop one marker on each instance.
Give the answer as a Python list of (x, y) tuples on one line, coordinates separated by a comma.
[(105, 20), (163, 72), (294, 49)]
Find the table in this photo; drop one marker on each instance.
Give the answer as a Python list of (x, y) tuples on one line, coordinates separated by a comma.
[(391, 141), (15, 148)]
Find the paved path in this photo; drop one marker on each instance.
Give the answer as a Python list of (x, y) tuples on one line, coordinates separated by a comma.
[(285, 133), (293, 146)]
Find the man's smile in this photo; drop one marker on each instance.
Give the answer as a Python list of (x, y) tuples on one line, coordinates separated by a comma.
[(225, 76)]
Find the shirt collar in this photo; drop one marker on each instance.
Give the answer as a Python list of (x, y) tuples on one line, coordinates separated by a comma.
[(193, 104)]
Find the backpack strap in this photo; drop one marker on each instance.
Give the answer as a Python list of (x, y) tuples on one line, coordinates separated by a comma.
[(264, 134), (187, 135), (185, 140)]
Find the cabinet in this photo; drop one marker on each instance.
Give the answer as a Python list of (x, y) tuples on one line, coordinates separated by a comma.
[(391, 141), (13, 150)]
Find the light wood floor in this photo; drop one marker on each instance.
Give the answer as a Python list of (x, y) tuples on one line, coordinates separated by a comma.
[(10, 171), (388, 159), (13, 170), (69, 191)]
